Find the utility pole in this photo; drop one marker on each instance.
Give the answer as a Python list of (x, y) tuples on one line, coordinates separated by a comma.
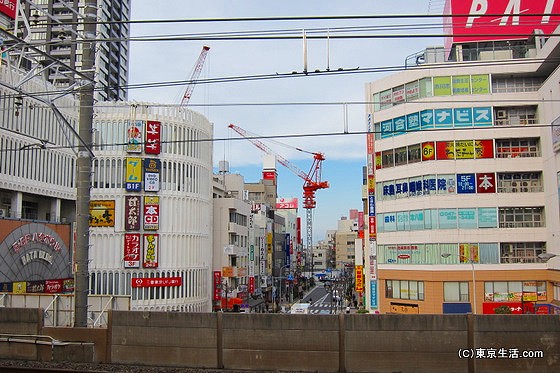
[(84, 167)]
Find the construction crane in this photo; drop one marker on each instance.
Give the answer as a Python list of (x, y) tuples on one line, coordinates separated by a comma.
[(311, 180), (194, 76)]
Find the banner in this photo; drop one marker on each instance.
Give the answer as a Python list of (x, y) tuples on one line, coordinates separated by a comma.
[(131, 250), (132, 213), (151, 213), (151, 251)]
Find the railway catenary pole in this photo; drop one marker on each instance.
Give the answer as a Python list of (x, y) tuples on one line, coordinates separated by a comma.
[(84, 167)]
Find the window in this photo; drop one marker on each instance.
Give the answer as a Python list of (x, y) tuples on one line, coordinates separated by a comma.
[(521, 217), (404, 289), (518, 84), (455, 291), (515, 116), (414, 153), (400, 156), (388, 158), (515, 148), (520, 182), (517, 291), (521, 252)]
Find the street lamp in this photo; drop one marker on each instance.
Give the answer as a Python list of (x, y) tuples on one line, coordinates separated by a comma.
[(447, 255)]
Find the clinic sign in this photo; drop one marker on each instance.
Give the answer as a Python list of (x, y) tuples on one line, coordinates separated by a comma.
[(484, 20)]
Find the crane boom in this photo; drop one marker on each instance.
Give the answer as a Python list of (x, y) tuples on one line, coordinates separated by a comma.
[(194, 77), (312, 179)]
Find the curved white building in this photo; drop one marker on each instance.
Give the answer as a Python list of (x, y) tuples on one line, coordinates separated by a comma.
[(151, 207)]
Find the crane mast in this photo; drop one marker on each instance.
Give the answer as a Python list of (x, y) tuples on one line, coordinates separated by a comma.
[(312, 179), (194, 76)]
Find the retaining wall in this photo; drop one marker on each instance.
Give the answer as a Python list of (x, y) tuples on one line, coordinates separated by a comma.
[(314, 343)]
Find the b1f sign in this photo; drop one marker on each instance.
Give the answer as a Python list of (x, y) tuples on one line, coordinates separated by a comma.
[(483, 20)]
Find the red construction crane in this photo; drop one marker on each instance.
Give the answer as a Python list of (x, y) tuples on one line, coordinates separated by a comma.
[(311, 180), (194, 76)]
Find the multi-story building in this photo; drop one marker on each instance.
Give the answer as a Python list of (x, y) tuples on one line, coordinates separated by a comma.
[(345, 242), (151, 207), (55, 28), (463, 149)]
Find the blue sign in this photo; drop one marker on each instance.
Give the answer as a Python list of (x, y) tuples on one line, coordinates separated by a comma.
[(387, 128), (373, 291), (413, 122), (482, 116), (462, 117), (427, 119), (443, 117), (466, 183), (399, 125)]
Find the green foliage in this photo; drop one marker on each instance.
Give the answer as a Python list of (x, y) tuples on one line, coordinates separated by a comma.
[(362, 310)]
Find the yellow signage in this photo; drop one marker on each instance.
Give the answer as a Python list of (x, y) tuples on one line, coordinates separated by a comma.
[(102, 213), (359, 278)]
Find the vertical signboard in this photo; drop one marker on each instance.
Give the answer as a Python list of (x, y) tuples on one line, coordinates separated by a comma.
[(217, 285), (151, 213), (132, 213), (359, 278), (371, 252), (134, 136), (153, 137), (151, 247), (131, 250), (152, 169), (133, 182)]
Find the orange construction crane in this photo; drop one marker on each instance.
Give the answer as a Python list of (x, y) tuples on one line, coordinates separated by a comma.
[(311, 180), (194, 76)]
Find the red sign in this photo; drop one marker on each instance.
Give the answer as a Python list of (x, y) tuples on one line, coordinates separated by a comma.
[(372, 228), (483, 20), (486, 183), (445, 150), (131, 250), (217, 284), (251, 285), (151, 282), (484, 149), (269, 175), (286, 203), (53, 286), (153, 137), (8, 7), (489, 308)]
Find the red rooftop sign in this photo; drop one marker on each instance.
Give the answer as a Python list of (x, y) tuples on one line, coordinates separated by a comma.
[(8, 7), (484, 20)]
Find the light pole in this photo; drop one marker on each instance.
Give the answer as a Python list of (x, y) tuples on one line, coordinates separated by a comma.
[(447, 255)]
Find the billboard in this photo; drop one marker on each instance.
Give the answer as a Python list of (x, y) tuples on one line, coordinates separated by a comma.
[(8, 7), (153, 137), (286, 203), (102, 213), (483, 20)]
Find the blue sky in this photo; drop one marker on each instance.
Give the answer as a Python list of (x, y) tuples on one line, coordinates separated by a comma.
[(299, 105)]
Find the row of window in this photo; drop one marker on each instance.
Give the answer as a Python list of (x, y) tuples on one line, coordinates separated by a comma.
[(458, 291), (456, 253), (458, 149), (461, 218), (37, 122), (23, 160), (175, 176), (452, 85), (445, 184)]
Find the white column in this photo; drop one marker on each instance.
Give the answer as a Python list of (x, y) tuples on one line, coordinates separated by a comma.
[(55, 210), (16, 205)]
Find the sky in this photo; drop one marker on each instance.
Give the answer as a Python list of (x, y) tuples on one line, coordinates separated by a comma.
[(300, 108)]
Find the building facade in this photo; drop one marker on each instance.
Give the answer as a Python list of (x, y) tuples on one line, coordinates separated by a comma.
[(465, 181), (151, 207), (56, 28)]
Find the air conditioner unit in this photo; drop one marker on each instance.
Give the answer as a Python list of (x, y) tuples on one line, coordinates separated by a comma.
[(3, 213)]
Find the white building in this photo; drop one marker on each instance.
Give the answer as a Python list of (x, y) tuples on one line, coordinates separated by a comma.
[(466, 182), (153, 168)]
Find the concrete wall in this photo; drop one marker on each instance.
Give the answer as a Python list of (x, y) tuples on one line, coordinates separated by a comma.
[(314, 343)]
